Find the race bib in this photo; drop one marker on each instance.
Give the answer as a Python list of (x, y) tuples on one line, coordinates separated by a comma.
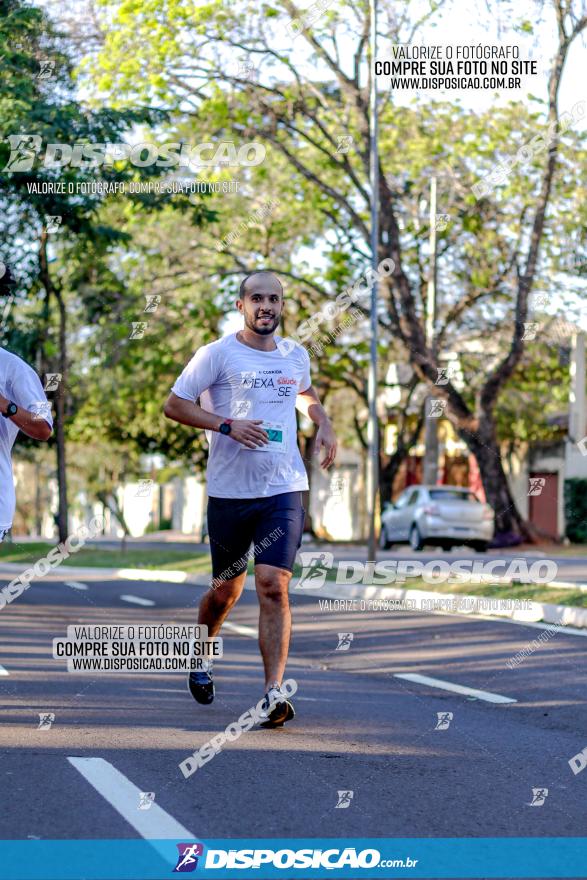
[(277, 434)]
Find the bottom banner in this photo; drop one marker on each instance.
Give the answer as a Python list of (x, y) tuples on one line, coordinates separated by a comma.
[(481, 857)]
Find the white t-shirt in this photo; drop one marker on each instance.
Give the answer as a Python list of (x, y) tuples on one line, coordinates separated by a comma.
[(236, 381), (19, 383)]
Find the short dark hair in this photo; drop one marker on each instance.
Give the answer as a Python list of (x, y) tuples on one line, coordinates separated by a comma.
[(241, 290)]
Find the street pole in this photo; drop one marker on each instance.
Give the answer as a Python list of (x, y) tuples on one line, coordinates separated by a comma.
[(430, 468), (372, 427)]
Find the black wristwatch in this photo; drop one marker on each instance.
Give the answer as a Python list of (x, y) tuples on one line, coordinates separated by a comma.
[(224, 428), (11, 410)]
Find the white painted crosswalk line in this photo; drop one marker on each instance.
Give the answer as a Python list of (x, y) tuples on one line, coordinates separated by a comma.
[(136, 600), (241, 630), (76, 585), (455, 688), (124, 796)]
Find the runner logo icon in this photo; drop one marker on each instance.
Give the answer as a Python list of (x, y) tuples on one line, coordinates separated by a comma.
[(315, 569), (187, 858)]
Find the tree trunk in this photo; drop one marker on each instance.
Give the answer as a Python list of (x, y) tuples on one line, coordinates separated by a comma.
[(110, 501), (62, 516), (38, 518), (50, 288), (389, 465), (510, 528), (387, 473)]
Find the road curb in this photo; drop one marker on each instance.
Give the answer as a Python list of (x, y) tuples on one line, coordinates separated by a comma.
[(432, 602), (427, 601), (130, 574)]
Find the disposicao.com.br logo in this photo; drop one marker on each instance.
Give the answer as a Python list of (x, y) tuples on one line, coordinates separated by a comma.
[(329, 859)]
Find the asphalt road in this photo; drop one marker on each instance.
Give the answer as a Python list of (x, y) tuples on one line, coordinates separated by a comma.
[(359, 727)]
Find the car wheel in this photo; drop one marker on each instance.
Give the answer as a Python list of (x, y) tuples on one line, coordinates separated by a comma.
[(384, 541), (416, 542), (480, 546)]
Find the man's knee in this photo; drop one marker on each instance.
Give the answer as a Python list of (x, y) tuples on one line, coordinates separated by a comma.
[(272, 587), (225, 594)]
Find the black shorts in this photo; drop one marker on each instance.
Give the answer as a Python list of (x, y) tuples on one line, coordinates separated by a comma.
[(274, 526)]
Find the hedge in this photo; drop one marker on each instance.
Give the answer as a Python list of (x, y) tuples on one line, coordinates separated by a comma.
[(576, 510)]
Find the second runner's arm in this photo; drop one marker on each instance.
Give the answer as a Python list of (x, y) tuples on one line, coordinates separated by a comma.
[(309, 405)]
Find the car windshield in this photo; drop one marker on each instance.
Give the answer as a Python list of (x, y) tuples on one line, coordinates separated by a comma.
[(452, 495)]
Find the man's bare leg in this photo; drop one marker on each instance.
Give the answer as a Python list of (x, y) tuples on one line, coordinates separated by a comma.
[(274, 620), (217, 602), (214, 608)]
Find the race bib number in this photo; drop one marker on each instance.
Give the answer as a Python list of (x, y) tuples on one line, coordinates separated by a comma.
[(277, 433)]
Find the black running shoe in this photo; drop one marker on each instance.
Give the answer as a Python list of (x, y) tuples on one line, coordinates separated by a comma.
[(201, 684), (277, 708)]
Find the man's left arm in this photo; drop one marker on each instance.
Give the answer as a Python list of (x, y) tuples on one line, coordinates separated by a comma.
[(308, 404)]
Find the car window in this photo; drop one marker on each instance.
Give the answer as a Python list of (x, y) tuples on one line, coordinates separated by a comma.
[(402, 500), (452, 495), (413, 498)]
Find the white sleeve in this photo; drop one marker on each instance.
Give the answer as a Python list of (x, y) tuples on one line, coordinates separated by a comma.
[(199, 374), (306, 379), (28, 393)]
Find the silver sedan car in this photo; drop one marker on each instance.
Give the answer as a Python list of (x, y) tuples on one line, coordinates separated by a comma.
[(445, 516)]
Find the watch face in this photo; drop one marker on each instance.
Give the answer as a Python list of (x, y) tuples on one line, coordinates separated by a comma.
[(12, 409), (224, 428)]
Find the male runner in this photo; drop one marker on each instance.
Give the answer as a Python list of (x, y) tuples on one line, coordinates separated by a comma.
[(255, 474), (23, 406)]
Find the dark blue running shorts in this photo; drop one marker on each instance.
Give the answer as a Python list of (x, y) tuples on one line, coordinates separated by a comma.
[(273, 525)]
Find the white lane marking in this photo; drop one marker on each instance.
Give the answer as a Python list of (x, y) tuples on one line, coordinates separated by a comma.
[(320, 699), (137, 600), (145, 574), (455, 688), (4, 671), (124, 796), (76, 585), (242, 630)]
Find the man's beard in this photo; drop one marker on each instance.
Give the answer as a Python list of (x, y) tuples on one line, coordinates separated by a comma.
[(262, 329)]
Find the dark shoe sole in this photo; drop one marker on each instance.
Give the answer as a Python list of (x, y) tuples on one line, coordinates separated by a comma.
[(281, 713), (202, 693)]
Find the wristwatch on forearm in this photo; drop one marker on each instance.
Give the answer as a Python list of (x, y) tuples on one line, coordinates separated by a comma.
[(224, 428), (11, 410)]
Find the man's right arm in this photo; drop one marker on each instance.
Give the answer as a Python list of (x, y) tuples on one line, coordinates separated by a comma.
[(30, 423), (186, 412)]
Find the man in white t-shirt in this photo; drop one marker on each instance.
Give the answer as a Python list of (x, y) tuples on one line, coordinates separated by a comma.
[(244, 390), (24, 407)]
